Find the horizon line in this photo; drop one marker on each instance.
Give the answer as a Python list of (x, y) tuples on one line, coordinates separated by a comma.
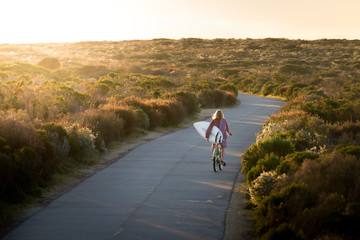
[(176, 39)]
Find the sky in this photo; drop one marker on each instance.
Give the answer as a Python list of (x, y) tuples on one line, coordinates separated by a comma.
[(44, 21)]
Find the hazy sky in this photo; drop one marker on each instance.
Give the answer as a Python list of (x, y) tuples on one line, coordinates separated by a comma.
[(30, 21)]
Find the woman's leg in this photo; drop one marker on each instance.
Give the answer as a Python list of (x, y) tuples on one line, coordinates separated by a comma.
[(212, 148)]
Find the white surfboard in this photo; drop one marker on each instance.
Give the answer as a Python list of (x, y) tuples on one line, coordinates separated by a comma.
[(215, 136)]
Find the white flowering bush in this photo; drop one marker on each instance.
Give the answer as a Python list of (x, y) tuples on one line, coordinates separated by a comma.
[(304, 132), (269, 130), (81, 139), (262, 186)]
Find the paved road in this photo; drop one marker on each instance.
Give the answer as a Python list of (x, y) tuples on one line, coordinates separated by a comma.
[(164, 189)]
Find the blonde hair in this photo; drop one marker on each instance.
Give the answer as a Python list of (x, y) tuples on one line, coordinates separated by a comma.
[(218, 114)]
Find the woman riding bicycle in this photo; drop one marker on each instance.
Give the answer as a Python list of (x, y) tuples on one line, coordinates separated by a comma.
[(220, 122)]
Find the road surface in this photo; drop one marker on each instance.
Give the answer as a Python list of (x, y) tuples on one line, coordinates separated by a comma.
[(164, 189)]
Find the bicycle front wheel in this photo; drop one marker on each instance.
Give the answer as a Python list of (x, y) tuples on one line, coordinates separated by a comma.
[(214, 163), (219, 163)]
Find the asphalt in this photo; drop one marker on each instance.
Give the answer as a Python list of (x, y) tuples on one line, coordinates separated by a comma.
[(163, 189)]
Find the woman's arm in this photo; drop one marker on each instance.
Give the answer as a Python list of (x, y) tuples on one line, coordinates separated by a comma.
[(227, 129), (208, 131)]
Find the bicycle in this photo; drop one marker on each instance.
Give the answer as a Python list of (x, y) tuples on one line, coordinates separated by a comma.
[(217, 159)]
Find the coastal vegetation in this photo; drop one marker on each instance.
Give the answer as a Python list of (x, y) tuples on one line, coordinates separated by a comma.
[(63, 104)]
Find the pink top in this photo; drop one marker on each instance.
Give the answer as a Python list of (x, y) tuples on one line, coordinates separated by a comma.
[(216, 122)]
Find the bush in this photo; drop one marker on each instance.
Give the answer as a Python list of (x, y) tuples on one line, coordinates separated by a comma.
[(82, 142), (230, 99), (149, 107), (228, 72), (25, 169), (188, 100), (282, 207), (268, 163), (268, 88), (17, 129), (295, 69), (50, 63), (105, 124), (323, 176), (350, 150), (216, 98), (174, 112), (273, 147), (262, 186), (304, 132), (206, 98), (129, 115), (229, 88), (345, 133), (58, 136), (143, 118), (292, 162), (316, 200)]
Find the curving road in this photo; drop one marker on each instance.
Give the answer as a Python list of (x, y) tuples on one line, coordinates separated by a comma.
[(164, 189)]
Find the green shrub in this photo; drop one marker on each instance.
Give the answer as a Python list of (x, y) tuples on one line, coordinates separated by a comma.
[(292, 162), (143, 117), (245, 84), (230, 88), (228, 72), (294, 69), (293, 90), (350, 150), (273, 147), (266, 164), (282, 207), (148, 82), (268, 88)]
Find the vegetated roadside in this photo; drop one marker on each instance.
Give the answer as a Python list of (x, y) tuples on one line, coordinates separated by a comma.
[(59, 116), (318, 128), (66, 182), (302, 172)]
